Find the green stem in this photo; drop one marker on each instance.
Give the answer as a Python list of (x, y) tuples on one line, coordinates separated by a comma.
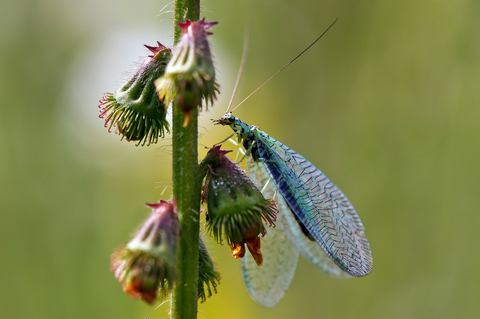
[(185, 9), (185, 191)]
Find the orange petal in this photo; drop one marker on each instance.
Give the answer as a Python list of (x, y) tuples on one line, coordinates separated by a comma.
[(187, 119), (134, 291), (238, 250), (254, 248)]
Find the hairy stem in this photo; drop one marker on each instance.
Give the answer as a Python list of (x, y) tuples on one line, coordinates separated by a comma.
[(185, 190)]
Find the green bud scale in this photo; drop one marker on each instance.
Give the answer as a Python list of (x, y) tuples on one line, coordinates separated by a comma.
[(134, 109), (146, 266), (208, 276), (190, 75), (235, 206)]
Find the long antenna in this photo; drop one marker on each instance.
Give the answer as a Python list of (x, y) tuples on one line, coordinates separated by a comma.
[(242, 64), (285, 66)]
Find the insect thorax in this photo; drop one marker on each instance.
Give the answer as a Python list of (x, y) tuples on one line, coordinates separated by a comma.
[(246, 134), (250, 146)]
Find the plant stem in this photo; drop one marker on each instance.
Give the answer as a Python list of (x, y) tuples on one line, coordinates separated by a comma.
[(185, 190), (185, 9)]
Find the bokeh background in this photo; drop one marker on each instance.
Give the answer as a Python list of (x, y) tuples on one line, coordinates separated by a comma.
[(386, 104)]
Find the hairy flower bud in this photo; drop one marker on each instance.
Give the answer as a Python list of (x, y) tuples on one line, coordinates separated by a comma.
[(146, 266), (190, 75), (134, 109), (235, 207)]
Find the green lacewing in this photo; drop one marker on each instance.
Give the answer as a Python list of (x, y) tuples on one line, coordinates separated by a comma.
[(315, 218)]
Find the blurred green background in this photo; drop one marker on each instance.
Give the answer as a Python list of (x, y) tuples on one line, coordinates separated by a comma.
[(386, 104)]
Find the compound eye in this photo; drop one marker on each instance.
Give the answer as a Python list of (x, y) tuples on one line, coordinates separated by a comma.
[(232, 118)]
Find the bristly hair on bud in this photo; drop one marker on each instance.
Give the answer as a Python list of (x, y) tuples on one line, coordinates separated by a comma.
[(134, 109), (208, 276), (236, 209), (190, 75), (146, 266)]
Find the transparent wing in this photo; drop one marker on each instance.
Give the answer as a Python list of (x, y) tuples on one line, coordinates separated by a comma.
[(311, 250), (321, 207), (268, 283)]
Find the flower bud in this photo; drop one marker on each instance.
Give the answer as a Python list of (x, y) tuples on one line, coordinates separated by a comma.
[(146, 266), (208, 276), (134, 109), (235, 206), (190, 75)]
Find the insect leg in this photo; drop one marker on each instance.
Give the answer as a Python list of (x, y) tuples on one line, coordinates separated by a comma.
[(265, 186), (228, 138), (248, 152)]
